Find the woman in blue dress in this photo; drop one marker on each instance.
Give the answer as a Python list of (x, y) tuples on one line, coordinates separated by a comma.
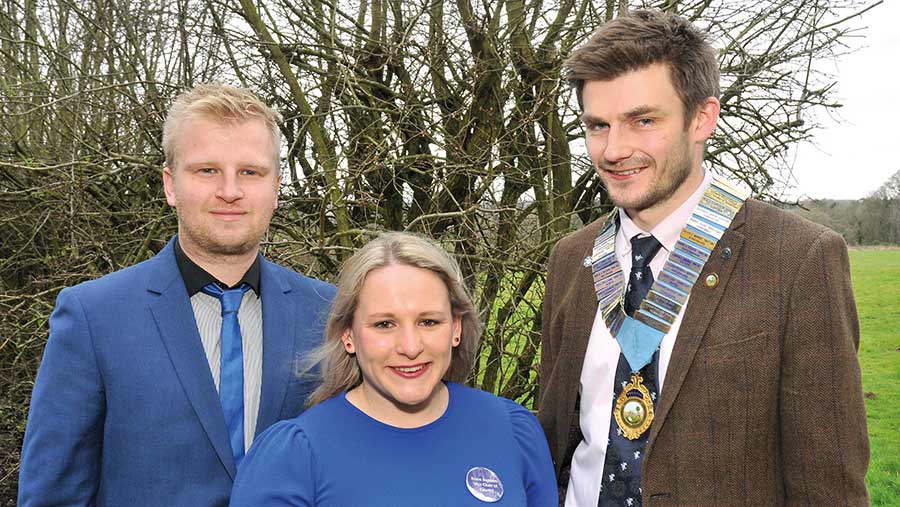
[(391, 424)]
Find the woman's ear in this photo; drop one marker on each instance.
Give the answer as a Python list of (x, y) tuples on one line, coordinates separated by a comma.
[(347, 339)]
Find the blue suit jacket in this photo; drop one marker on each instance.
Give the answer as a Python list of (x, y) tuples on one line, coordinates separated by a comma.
[(124, 410)]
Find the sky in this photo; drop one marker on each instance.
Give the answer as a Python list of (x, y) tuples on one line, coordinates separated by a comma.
[(857, 152)]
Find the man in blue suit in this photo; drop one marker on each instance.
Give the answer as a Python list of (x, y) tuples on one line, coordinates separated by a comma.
[(156, 378)]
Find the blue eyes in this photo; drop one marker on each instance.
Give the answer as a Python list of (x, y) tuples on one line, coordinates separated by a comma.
[(243, 172), (599, 126), (387, 324)]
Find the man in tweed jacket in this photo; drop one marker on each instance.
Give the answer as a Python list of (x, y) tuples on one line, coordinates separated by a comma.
[(759, 400)]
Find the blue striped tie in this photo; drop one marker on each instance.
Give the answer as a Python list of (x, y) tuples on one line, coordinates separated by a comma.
[(231, 376)]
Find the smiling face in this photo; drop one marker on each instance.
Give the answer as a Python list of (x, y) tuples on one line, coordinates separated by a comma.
[(223, 185), (403, 334), (637, 140)]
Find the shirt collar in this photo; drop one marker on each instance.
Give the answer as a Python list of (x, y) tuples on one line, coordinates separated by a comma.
[(669, 229), (195, 277)]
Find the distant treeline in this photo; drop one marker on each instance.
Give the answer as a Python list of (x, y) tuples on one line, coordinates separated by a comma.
[(873, 220)]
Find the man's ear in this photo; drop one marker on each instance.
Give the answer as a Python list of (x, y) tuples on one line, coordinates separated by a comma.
[(277, 188), (705, 119), (169, 185)]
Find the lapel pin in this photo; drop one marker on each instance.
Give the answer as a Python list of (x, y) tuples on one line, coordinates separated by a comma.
[(726, 253), (712, 280)]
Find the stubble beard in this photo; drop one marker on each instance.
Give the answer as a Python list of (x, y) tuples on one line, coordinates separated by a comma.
[(206, 242), (663, 187)]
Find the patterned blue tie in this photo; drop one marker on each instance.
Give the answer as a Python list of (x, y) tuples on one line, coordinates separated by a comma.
[(641, 278), (621, 481), (231, 376)]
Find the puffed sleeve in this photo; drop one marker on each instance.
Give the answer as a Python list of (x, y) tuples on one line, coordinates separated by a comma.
[(279, 470), (538, 473)]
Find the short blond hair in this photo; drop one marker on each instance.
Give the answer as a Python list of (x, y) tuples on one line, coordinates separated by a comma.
[(222, 104), (339, 369)]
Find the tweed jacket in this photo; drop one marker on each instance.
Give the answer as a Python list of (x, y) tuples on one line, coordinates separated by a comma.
[(762, 403)]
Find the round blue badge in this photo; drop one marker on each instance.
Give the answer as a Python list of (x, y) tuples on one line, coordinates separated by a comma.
[(484, 484)]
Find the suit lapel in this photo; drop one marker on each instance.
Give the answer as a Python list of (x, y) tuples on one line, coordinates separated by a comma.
[(279, 318), (177, 326), (702, 305)]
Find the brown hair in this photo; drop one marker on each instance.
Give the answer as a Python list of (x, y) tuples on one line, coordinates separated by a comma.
[(222, 104), (339, 369), (643, 38)]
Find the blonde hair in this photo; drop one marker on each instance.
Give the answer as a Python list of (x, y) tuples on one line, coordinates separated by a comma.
[(222, 104), (339, 369)]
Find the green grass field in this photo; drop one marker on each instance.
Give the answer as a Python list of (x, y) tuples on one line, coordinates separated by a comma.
[(876, 283)]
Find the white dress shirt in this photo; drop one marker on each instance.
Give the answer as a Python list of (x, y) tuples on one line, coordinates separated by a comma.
[(602, 356)]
